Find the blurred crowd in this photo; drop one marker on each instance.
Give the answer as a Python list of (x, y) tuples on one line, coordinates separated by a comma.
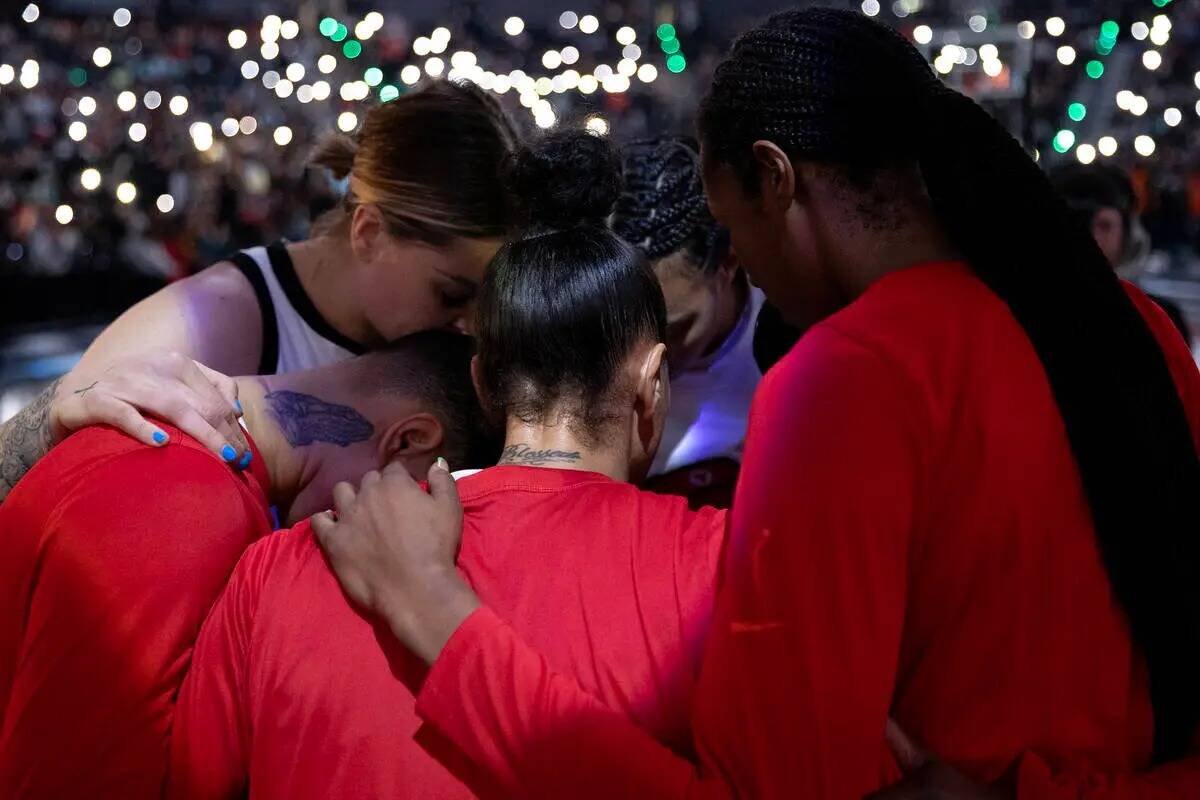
[(216, 159)]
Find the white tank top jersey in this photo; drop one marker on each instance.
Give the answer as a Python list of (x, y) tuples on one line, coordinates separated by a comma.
[(295, 335), (710, 403)]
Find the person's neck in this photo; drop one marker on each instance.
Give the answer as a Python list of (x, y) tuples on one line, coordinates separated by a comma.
[(557, 446), (322, 266), (290, 469), (919, 239)]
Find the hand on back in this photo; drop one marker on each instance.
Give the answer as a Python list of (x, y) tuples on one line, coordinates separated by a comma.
[(393, 548)]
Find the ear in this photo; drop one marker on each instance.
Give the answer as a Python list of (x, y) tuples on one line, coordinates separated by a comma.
[(652, 386), (366, 228), (777, 178), (417, 436)]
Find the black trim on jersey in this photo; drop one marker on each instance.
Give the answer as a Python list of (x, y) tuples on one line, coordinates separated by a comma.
[(268, 362), (285, 273)]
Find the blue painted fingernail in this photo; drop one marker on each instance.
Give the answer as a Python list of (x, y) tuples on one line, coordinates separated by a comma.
[(159, 437), (228, 453), (238, 405), (246, 459)]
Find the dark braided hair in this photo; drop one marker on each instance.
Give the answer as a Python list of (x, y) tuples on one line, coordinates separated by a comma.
[(662, 208), (833, 86)]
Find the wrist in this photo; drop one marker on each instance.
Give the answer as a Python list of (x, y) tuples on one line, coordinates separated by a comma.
[(427, 614), (56, 430)]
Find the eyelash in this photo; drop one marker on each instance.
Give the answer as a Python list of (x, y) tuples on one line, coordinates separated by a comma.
[(455, 301)]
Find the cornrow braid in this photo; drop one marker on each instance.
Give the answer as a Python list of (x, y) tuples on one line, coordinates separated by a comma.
[(662, 208), (833, 86)]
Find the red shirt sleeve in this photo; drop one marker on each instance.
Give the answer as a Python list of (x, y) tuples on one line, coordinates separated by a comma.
[(124, 578), (801, 664), (211, 738), (535, 733)]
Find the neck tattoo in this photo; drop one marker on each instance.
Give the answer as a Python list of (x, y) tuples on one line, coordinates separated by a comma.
[(521, 454), (305, 419)]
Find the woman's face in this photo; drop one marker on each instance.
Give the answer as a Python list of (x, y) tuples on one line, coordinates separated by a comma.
[(699, 307), (408, 286), (780, 242)]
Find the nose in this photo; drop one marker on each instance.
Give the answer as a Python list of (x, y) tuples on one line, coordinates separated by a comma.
[(464, 323)]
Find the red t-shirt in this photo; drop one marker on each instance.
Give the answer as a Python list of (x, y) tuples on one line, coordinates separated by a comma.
[(111, 555), (909, 537), (295, 694)]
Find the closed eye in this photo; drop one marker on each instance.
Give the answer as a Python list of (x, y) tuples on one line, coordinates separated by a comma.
[(456, 298)]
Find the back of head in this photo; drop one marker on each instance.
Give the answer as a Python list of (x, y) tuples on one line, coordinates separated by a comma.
[(1097, 185), (432, 162), (435, 368), (662, 208), (835, 87), (564, 304), (1087, 188)]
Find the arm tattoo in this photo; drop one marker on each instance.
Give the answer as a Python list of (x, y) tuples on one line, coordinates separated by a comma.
[(305, 419), (24, 439), (86, 389), (521, 454)]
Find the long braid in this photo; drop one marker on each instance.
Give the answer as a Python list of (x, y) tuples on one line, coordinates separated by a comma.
[(833, 86), (662, 208)]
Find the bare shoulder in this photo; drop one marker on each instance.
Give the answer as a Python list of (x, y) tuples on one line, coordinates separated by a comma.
[(222, 282), (212, 316)]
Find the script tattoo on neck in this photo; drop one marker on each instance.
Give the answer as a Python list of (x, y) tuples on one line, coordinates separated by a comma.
[(521, 454), (305, 419), (24, 439)]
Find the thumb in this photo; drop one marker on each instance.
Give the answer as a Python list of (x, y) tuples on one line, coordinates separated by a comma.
[(226, 386), (910, 755), (324, 527), (442, 486)]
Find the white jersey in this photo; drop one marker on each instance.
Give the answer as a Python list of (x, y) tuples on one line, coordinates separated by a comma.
[(295, 335), (710, 403)]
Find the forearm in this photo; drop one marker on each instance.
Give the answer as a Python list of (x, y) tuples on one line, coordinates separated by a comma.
[(25, 438)]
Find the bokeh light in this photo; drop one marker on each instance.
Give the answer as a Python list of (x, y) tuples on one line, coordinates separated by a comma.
[(126, 192)]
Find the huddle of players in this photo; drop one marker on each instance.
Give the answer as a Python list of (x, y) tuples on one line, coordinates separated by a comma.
[(114, 552)]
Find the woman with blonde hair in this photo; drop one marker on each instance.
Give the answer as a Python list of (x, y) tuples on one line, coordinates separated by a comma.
[(404, 251)]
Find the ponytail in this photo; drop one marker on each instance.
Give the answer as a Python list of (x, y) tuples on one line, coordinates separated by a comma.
[(335, 153), (1122, 412)]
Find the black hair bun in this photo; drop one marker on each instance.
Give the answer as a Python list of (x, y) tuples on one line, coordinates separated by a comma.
[(566, 178)]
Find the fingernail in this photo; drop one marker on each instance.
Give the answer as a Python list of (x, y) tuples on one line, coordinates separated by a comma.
[(159, 437), (441, 464), (246, 459), (228, 453), (238, 405)]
